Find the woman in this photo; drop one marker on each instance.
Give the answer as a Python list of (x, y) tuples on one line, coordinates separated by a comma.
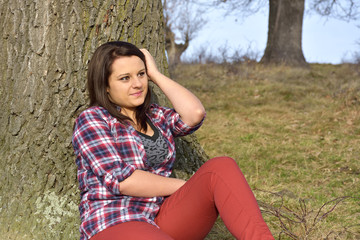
[(125, 152)]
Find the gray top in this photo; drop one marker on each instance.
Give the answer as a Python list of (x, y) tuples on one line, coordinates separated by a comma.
[(156, 148)]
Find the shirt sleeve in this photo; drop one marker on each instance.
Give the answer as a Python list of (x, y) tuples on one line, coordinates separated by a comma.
[(92, 139), (172, 119)]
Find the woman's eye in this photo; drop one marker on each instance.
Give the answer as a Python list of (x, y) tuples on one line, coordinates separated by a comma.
[(142, 73), (124, 78)]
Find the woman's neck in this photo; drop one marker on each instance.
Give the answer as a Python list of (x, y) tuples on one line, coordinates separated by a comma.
[(129, 113)]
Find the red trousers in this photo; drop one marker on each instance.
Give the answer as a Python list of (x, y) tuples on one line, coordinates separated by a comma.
[(218, 187)]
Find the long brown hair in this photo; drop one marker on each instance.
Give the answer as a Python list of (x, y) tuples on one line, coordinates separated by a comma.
[(98, 74)]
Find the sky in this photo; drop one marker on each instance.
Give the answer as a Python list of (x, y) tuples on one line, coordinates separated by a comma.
[(324, 40)]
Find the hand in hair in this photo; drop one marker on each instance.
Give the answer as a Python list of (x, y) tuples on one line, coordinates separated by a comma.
[(152, 69), (185, 103)]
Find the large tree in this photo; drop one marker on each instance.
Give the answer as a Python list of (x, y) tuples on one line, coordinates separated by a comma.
[(284, 42), (45, 47)]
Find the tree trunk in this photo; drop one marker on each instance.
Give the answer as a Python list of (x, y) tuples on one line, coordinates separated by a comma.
[(45, 48), (284, 44), (174, 50)]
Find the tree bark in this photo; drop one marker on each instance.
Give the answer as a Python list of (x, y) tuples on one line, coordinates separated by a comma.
[(45, 48), (284, 43)]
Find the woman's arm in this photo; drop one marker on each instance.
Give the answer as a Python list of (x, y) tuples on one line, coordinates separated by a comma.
[(144, 184), (93, 141), (186, 104), (95, 147)]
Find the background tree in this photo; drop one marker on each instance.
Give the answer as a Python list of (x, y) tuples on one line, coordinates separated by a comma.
[(284, 42), (45, 48), (183, 21)]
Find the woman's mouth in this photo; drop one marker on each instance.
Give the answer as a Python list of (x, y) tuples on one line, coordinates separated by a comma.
[(137, 94)]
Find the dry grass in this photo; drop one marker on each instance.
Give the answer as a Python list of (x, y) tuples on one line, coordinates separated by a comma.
[(295, 135)]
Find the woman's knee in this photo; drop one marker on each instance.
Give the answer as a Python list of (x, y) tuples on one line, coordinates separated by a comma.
[(221, 164)]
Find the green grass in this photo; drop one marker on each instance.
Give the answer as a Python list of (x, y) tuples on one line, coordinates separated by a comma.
[(295, 134)]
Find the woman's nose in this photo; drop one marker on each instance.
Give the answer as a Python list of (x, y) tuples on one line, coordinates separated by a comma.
[(136, 82)]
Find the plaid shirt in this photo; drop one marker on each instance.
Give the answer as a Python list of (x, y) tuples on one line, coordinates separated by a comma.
[(107, 152)]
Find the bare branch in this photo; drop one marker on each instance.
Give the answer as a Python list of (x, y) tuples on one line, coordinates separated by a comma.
[(336, 201), (341, 9), (244, 8), (290, 218), (183, 18)]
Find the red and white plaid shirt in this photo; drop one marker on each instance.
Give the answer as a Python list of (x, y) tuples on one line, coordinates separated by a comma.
[(107, 152)]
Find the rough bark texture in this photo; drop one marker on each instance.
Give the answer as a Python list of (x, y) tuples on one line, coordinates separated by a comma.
[(45, 48), (284, 44)]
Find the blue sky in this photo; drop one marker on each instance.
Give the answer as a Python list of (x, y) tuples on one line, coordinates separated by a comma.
[(324, 40)]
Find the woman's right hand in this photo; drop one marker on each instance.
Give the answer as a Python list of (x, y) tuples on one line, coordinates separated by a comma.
[(152, 70), (185, 103)]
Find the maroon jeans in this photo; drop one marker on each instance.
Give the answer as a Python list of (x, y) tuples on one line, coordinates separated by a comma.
[(218, 187)]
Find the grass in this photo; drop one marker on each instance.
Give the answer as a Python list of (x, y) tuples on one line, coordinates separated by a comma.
[(295, 134)]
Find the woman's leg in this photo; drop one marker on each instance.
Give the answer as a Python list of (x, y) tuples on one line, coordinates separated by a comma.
[(132, 231), (218, 186)]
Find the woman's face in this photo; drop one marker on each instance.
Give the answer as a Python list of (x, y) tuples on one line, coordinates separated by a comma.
[(128, 83)]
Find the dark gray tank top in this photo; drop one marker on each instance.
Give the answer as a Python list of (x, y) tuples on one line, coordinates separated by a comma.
[(156, 148)]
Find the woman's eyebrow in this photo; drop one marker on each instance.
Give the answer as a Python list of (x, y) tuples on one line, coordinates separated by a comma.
[(122, 74), (125, 74)]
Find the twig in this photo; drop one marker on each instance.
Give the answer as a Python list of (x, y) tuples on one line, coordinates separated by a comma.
[(288, 217)]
